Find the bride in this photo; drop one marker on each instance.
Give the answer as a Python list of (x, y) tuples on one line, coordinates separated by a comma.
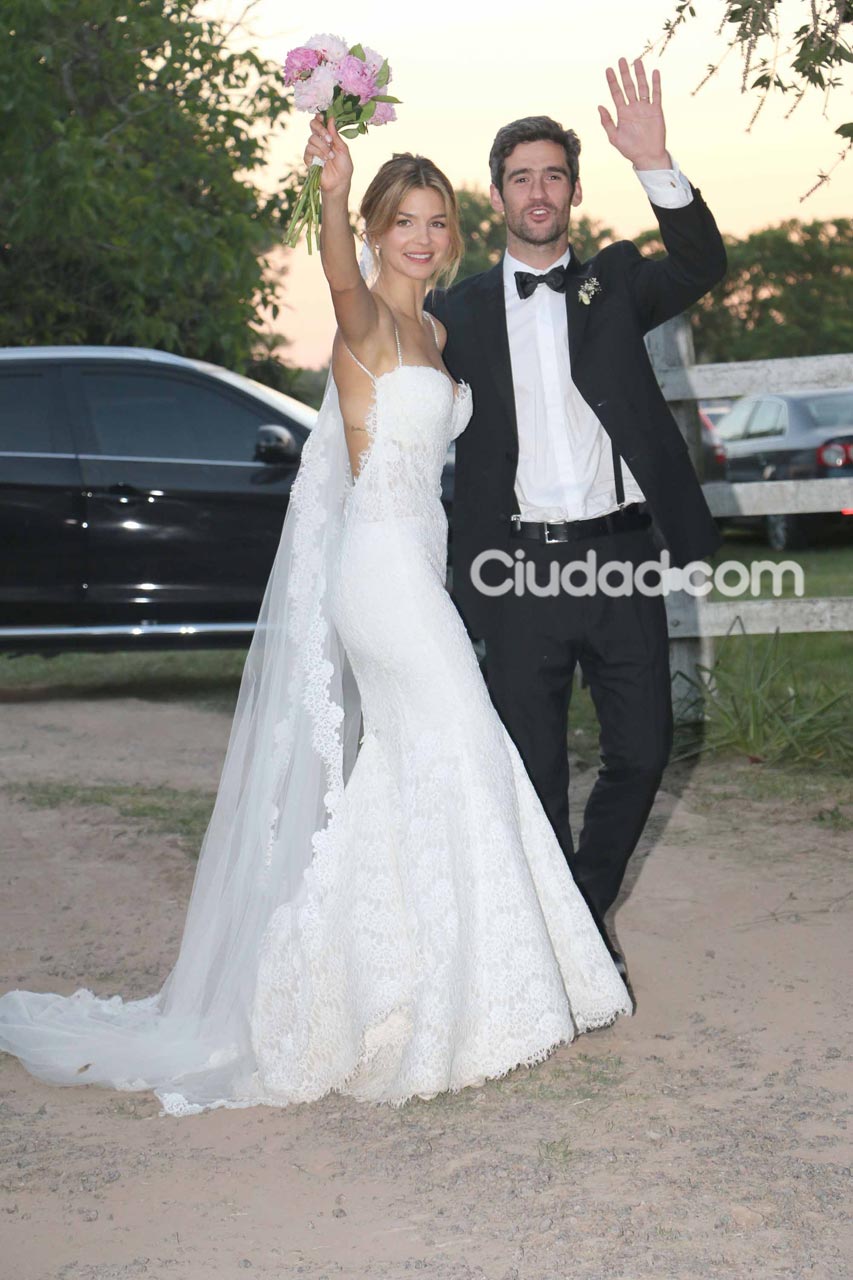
[(381, 907)]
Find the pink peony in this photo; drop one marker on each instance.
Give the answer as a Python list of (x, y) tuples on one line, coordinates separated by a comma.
[(383, 114), (355, 77), (300, 63), (332, 48), (315, 93)]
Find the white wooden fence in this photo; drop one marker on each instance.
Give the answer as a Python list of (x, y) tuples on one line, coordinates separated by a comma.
[(695, 622)]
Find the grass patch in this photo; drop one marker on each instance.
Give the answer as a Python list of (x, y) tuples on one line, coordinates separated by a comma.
[(827, 569), (717, 784), (834, 819), (757, 703), (559, 1150), (161, 810), (208, 679)]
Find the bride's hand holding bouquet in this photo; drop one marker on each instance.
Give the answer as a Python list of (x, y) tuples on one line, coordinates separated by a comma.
[(327, 149)]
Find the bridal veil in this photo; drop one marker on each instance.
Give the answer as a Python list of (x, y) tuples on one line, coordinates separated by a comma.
[(293, 742)]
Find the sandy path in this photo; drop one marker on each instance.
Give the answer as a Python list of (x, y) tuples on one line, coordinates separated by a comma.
[(706, 1137)]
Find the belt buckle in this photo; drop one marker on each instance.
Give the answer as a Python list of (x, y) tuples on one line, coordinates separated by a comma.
[(551, 541)]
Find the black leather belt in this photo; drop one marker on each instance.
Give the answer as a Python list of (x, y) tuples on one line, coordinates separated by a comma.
[(548, 531)]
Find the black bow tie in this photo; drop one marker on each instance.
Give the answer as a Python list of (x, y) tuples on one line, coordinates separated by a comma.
[(526, 281)]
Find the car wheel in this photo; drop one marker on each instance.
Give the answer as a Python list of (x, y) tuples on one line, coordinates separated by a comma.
[(784, 533)]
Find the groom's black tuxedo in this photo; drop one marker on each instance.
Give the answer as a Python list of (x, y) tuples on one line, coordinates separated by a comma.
[(533, 643), (611, 370)]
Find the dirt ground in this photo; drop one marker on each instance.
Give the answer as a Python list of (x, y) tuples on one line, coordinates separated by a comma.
[(705, 1137)]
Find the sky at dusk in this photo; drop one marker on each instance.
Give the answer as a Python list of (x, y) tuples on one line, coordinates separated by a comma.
[(462, 72)]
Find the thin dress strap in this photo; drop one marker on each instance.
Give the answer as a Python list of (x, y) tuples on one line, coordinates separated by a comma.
[(364, 367), (432, 322), (358, 362)]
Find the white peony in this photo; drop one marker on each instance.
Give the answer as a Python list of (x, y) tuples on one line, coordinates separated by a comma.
[(315, 93), (331, 47)]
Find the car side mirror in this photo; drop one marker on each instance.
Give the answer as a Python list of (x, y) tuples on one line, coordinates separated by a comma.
[(276, 444)]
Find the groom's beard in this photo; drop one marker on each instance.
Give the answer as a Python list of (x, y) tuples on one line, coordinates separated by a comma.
[(540, 233)]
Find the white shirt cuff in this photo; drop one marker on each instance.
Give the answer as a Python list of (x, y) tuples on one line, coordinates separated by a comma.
[(667, 188)]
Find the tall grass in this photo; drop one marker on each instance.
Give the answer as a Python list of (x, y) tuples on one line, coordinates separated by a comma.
[(755, 702)]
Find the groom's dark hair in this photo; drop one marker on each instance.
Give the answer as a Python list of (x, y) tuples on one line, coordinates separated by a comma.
[(532, 129)]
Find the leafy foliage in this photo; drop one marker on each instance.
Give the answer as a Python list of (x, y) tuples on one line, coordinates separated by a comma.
[(130, 139), (777, 59)]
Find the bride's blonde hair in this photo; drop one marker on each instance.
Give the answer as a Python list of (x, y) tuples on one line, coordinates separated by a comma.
[(383, 198)]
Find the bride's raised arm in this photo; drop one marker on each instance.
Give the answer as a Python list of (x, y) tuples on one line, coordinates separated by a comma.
[(356, 310)]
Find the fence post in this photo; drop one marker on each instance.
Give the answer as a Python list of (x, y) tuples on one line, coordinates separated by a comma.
[(670, 346)]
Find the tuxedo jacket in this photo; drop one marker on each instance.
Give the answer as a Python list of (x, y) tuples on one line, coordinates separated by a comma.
[(611, 370)]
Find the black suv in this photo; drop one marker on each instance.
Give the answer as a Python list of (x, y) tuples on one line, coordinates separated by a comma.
[(141, 498)]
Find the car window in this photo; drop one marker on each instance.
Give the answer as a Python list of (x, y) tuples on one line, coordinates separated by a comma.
[(830, 410), (142, 415), (769, 419), (29, 414), (733, 425)]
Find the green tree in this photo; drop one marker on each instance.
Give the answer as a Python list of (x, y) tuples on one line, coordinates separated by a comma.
[(131, 138), (787, 293), (484, 233)]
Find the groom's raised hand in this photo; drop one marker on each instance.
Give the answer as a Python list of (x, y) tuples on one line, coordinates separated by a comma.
[(639, 131)]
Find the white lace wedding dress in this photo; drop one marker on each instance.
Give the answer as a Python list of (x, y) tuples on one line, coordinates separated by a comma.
[(436, 938)]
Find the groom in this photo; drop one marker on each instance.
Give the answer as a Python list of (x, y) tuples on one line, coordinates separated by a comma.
[(572, 450)]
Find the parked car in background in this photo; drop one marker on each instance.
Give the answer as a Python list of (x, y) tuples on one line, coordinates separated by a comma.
[(715, 410), (713, 450), (141, 498), (804, 435)]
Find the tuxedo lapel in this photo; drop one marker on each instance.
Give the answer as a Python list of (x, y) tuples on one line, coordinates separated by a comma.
[(577, 312), (491, 322)]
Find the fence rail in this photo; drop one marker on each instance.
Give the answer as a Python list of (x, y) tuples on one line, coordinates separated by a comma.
[(750, 377), (775, 497), (695, 622)]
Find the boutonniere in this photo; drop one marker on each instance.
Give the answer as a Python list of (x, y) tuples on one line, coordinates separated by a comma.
[(588, 290)]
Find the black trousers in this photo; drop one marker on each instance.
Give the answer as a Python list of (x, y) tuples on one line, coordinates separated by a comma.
[(621, 644)]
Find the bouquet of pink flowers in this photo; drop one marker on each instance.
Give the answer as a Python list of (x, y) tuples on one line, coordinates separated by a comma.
[(341, 82)]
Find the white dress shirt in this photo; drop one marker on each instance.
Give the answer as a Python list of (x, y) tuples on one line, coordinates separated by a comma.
[(565, 461)]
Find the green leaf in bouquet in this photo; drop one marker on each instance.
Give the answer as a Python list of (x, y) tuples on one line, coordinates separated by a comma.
[(349, 133), (357, 51), (384, 75), (368, 109), (384, 97)]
